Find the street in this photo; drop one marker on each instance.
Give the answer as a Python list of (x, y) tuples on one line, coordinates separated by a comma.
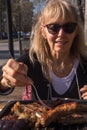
[(5, 54)]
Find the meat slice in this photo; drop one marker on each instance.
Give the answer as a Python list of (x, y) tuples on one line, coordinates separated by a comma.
[(59, 111)]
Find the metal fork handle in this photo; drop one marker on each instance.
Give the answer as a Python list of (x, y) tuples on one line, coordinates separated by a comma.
[(38, 97)]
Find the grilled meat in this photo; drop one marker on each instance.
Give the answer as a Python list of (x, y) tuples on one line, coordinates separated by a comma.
[(40, 116)]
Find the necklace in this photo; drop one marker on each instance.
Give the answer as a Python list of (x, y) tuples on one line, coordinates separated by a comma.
[(62, 69)]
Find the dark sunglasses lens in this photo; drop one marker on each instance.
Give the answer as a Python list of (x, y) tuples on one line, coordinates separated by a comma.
[(69, 27), (53, 28)]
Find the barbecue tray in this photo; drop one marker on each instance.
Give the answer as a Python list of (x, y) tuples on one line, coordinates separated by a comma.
[(23, 124)]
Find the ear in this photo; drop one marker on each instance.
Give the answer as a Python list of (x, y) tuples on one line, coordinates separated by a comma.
[(42, 30)]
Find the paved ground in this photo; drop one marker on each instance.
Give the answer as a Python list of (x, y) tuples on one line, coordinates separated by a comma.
[(15, 95), (4, 56)]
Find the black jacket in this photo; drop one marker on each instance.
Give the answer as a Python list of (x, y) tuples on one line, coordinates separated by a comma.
[(41, 83)]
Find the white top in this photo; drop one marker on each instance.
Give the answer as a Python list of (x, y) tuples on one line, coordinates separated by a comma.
[(61, 85)]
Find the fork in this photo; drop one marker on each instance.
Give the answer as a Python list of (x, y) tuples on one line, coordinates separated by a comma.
[(37, 95)]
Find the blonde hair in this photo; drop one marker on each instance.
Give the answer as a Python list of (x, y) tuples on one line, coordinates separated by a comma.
[(39, 46)]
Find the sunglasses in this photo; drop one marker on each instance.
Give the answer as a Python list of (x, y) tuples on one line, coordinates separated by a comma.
[(67, 28)]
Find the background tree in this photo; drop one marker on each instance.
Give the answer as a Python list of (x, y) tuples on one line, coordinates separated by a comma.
[(2, 17), (81, 7), (38, 5), (22, 12)]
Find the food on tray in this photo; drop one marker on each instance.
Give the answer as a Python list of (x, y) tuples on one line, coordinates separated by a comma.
[(61, 111), (32, 111), (40, 116)]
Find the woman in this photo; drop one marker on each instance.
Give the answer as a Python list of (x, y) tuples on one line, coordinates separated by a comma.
[(56, 65)]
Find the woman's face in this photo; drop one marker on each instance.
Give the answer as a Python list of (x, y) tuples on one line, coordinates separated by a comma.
[(57, 37)]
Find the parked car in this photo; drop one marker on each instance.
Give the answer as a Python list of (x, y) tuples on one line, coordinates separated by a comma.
[(3, 35), (15, 35), (26, 35)]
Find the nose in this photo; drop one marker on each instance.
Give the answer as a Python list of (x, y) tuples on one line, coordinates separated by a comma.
[(60, 32)]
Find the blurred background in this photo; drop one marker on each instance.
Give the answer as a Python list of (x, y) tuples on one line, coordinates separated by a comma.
[(18, 16)]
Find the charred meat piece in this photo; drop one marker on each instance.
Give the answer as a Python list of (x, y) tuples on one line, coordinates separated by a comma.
[(59, 111)]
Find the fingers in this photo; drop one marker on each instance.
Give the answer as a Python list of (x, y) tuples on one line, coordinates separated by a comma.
[(5, 83), (15, 74), (15, 82), (16, 66), (83, 90), (84, 96)]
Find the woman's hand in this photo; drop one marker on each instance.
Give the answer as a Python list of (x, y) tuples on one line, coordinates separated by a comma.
[(15, 74), (83, 90)]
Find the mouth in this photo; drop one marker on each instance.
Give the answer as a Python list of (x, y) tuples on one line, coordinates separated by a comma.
[(61, 42)]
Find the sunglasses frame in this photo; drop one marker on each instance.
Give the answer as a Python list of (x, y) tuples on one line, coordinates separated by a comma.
[(66, 27)]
